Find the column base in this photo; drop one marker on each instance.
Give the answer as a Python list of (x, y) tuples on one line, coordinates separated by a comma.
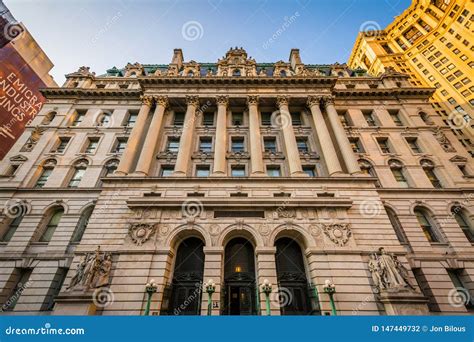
[(299, 174), (75, 304), (404, 302), (218, 174), (337, 174), (138, 174), (119, 173), (179, 174), (258, 174)]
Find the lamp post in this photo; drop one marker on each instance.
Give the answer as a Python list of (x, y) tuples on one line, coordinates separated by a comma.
[(210, 289), (267, 289), (330, 289), (150, 288)]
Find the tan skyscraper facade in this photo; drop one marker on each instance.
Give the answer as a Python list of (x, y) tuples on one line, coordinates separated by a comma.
[(432, 41), (302, 178)]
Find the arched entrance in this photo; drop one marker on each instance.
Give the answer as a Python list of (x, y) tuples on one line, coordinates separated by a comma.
[(292, 282), (239, 292), (186, 286)]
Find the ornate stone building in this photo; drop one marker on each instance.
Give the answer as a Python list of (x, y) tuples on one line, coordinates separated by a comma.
[(431, 41), (239, 172)]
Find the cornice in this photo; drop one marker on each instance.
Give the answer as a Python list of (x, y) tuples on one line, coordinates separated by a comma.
[(95, 93), (383, 92)]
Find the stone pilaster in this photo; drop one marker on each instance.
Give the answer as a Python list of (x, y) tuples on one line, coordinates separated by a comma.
[(220, 143), (256, 154), (186, 140)]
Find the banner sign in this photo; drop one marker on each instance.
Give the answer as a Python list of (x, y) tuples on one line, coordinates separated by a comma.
[(20, 99)]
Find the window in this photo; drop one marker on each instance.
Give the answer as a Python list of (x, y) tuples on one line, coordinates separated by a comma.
[(426, 223), (237, 144), (166, 170), (236, 72), (238, 171), (82, 225), (425, 118), (413, 143), (296, 119), (463, 170), (21, 278), (237, 118), (63, 142), (302, 144), (51, 226), (309, 170), (132, 118), (356, 145), (397, 170), (178, 119), (55, 288), (104, 119), (266, 118), (208, 119), (426, 289), (205, 144), (344, 118), (269, 144), (92, 146), (464, 294), (463, 221), (121, 144), (202, 171), (384, 145), (369, 118), (80, 114), (428, 167), (110, 167), (173, 144), (397, 226), (273, 171), (43, 178), (11, 228), (395, 115), (77, 177)]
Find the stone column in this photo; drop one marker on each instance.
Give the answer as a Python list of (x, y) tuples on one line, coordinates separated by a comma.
[(346, 150), (186, 140), (292, 153), (213, 266), (151, 140), (220, 143), (266, 266), (256, 153), (130, 153), (324, 138)]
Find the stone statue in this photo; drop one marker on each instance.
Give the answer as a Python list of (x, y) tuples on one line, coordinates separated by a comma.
[(77, 278), (388, 272), (93, 271)]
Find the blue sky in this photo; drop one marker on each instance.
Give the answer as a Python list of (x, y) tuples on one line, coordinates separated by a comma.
[(106, 33)]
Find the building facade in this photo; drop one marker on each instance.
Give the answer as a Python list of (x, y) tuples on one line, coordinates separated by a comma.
[(306, 178), (431, 41)]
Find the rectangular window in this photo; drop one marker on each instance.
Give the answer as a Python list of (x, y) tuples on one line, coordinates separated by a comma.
[(413, 143), (266, 118), (80, 114), (369, 118), (43, 178), (384, 145), (309, 170), (426, 290), (208, 119), (54, 289), (121, 144), (202, 171), (238, 171), (269, 144), (166, 170), (132, 118), (173, 144), (344, 118), (395, 115), (63, 142), (296, 119), (237, 144), (205, 144), (456, 276), (356, 145), (302, 144), (273, 171), (178, 119), (76, 178), (237, 118), (92, 145), (20, 277), (400, 178)]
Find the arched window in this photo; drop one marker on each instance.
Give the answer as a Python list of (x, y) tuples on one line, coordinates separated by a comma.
[(292, 280), (190, 73), (82, 225), (426, 119), (397, 226), (16, 214), (236, 72), (282, 73), (427, 224), (239, 291), (186, 286), (51, 225), (110, 167), (463, 221), (367, 168), (48, 118), (45, 172), (428, 167), (104, 119), (78, 173), (398, 173)]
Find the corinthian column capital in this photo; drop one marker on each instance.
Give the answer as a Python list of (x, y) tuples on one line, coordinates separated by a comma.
[(222, 100), (147, 100), (161, 100), (328, 100), (192, 100), (283, 100), (313, 101), (252, 100)]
